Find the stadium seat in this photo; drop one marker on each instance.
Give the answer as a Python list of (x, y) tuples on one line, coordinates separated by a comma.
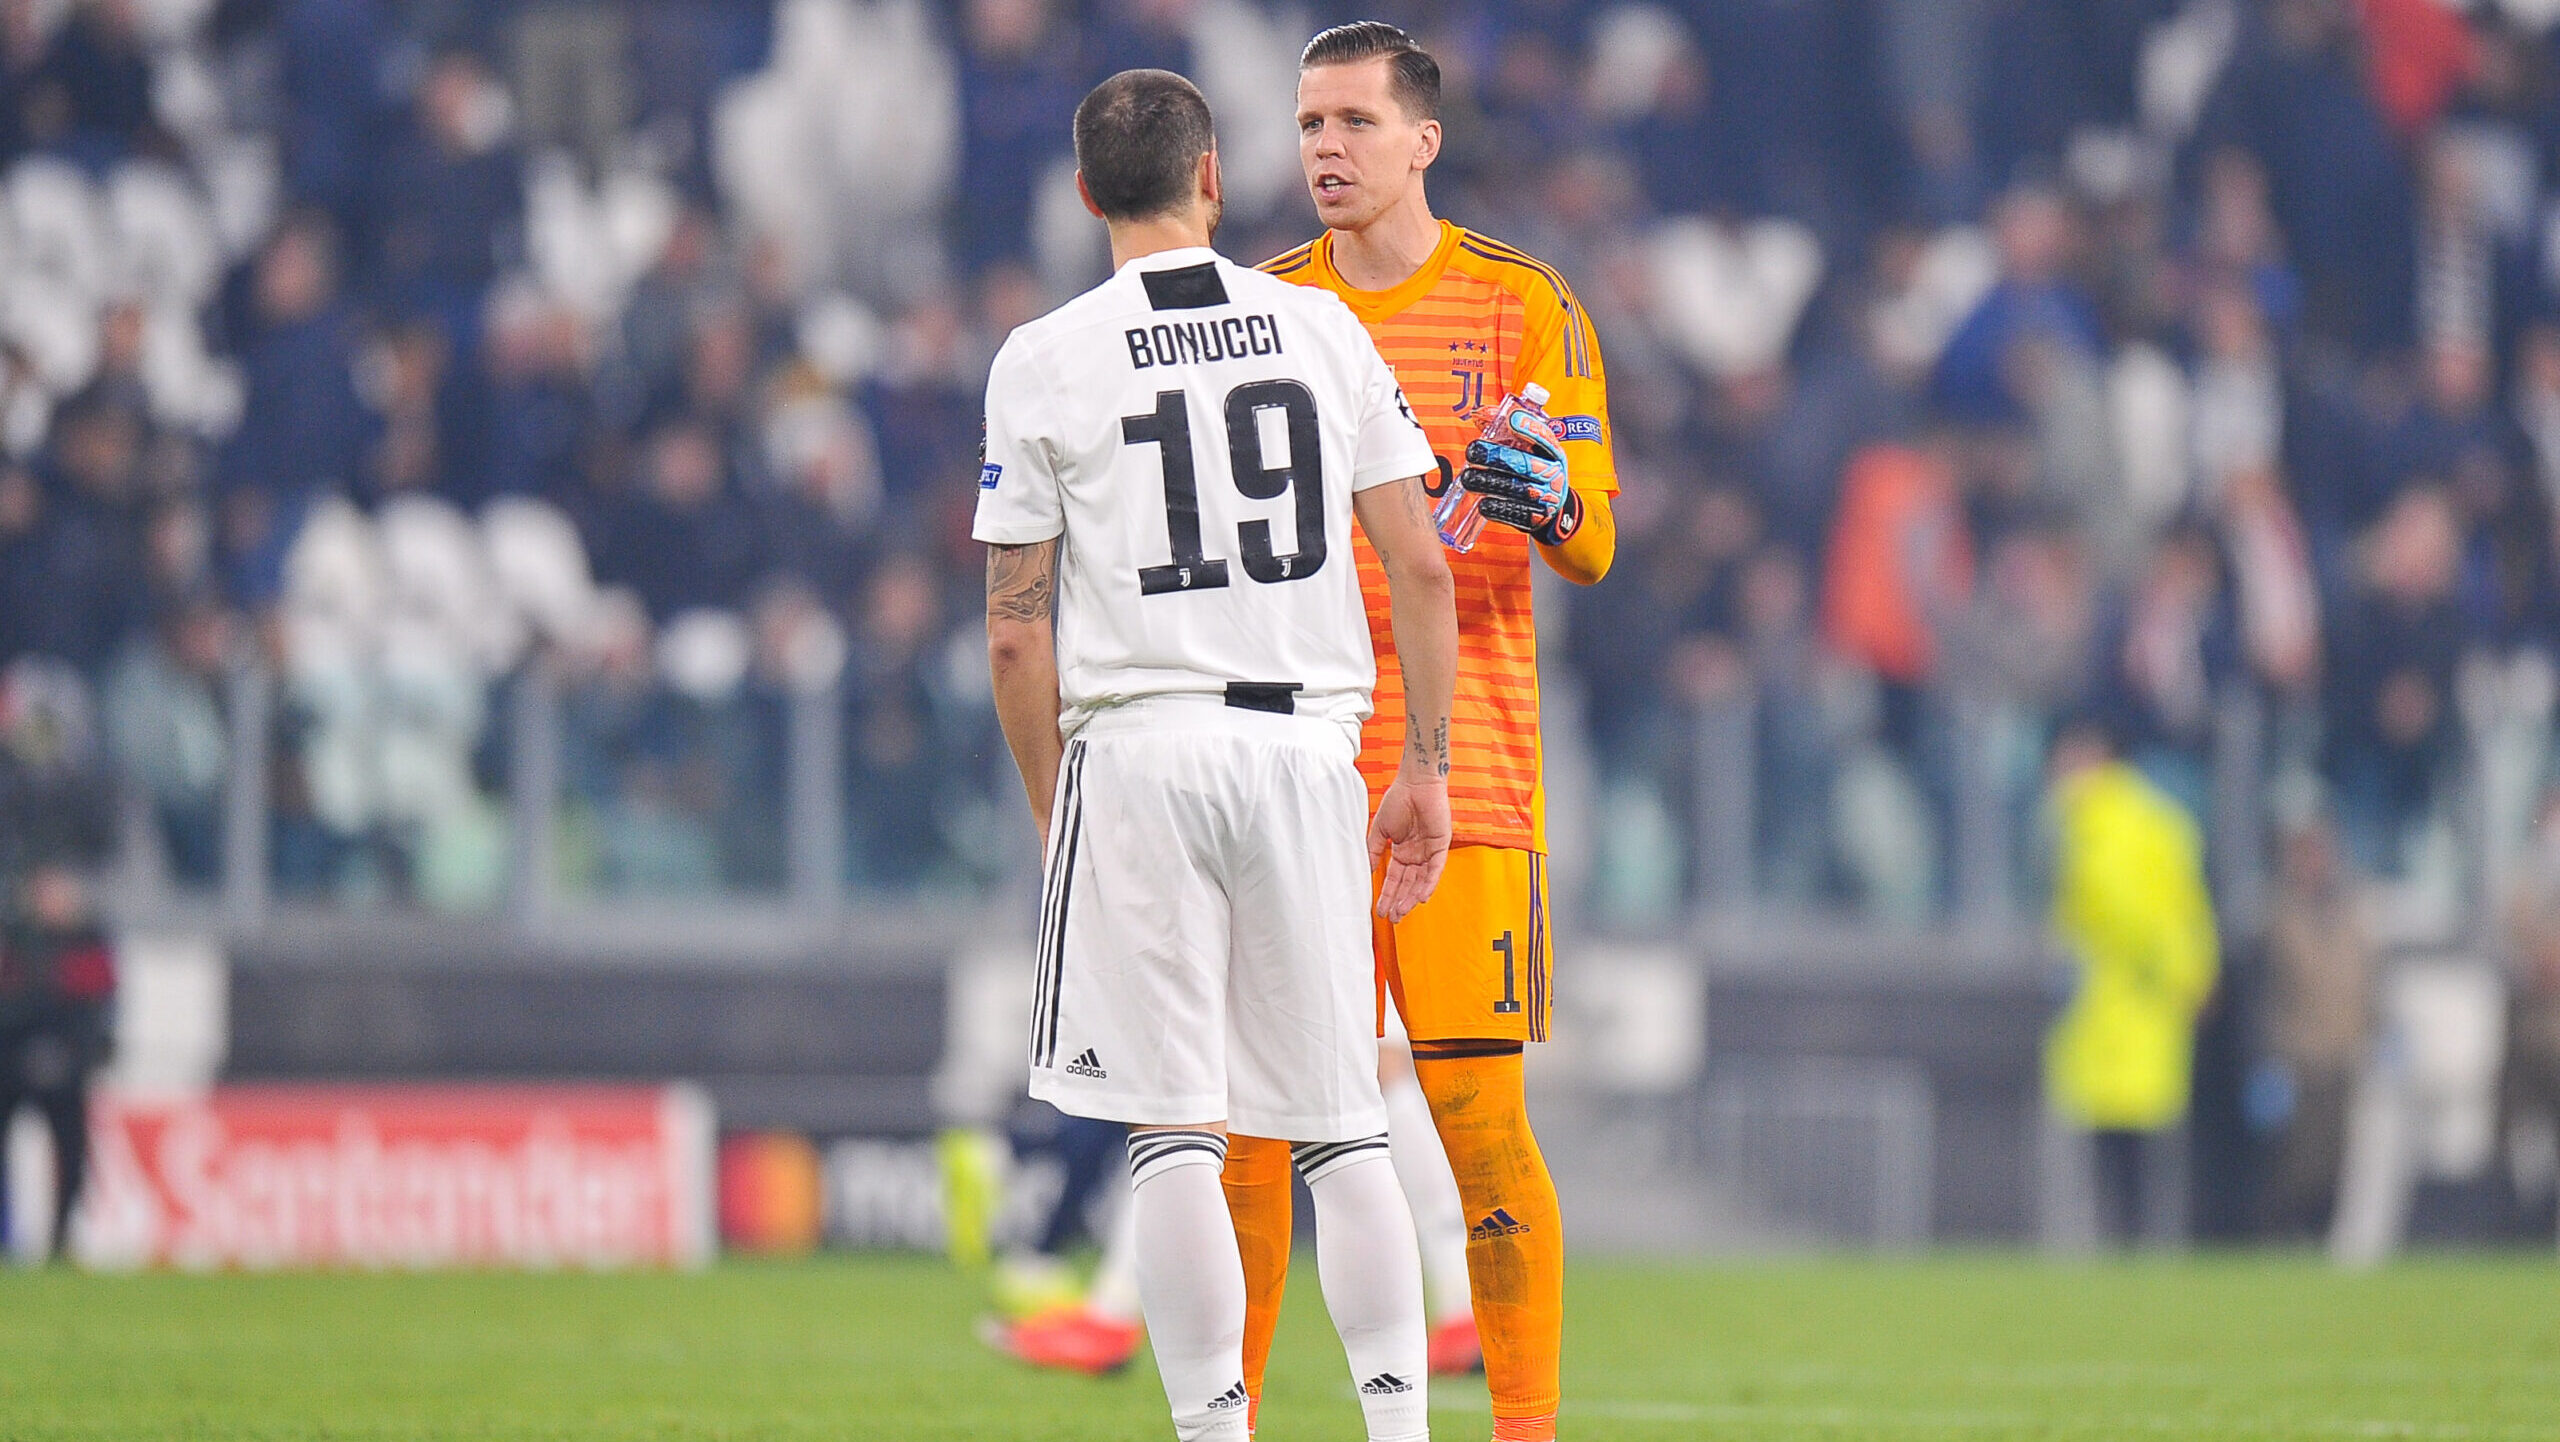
[(703, 654), (438, 577), (60, 234), (535, 556), (1730, 295), (189, 387), (165, 249), (54, 324)]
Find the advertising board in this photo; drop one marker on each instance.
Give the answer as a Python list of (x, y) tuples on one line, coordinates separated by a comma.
[(396, 1176)]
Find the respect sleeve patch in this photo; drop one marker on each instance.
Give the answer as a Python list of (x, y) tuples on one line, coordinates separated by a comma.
[(1578, 428), (988, 475)]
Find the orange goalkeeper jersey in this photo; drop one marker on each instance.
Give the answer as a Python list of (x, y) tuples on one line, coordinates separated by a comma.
[(1479, 321)]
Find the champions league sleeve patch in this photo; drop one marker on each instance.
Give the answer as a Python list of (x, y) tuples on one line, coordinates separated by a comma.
[(1578, 428)]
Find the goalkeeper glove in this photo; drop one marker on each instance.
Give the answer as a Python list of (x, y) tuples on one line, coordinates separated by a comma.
[(1520, 479)]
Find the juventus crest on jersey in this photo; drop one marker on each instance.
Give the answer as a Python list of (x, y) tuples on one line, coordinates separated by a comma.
[(1195, 430)]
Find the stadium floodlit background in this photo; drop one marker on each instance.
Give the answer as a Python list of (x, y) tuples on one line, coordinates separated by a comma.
[(486, 592)]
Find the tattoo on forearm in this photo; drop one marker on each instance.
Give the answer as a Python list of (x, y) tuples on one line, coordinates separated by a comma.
[(1430, 750), (1417, 500), (1022, 581)]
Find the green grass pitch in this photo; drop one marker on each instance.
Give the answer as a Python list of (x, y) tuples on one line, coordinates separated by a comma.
[(1961, 1347)]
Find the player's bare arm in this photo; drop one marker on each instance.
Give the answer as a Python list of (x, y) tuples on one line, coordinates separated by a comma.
[(1022, 656), (1412, 827)]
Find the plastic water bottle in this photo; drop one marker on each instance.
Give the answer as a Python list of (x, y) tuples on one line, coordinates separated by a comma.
[(1459, 516)]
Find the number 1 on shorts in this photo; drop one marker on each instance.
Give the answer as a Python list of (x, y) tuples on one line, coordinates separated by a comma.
[(1510, 990)]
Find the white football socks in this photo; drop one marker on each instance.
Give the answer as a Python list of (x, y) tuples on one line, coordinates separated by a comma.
[(1365, 1257), (1190, 1279), (1439, 1218)]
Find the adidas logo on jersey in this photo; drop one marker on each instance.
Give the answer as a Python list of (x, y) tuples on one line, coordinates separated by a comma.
[(1500, 1224), (1230, 1399), (1086, 1064), (1385, 1384)]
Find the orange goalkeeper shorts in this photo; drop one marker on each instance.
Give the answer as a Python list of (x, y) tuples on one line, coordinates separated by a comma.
[(1472, 961)]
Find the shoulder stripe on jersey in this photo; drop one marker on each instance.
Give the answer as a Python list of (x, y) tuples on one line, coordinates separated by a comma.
[(1288, 260), (1577, 357), (1577, 361)]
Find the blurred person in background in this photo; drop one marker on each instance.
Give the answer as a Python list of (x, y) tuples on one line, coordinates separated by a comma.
[(523, 420), (571, 63), (618, 760), (2319, 1017), (1094, 1329), (1653, 650), (1900, 562), (2295, 96), (89, 99), (332, 61), (57, 968), (1898, 571), (449, 203), (1805, 719), (2164, 658), (2529, 1091), (22, 582), (89, 566), (405, 370), (1020, 78), (820, 506), (684, 52), (693, 270), (2131, 910), (2035, 323), (925, 413), (307, 429), (165, 727), (687, 539), (896, 748), (2390, 668)]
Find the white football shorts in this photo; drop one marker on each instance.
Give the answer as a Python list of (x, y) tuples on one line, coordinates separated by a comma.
[(1204, 933)]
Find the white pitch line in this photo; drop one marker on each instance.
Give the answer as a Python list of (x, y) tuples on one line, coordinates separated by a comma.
[(1880, 1420)]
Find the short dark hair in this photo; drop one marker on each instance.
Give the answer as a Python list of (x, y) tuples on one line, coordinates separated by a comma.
[(1412, 74), (1139, 139)]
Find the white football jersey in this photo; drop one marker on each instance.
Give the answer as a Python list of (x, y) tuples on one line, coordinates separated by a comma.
[(1194, 430)]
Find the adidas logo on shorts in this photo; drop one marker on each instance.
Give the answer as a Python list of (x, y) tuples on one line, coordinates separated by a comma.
[(1086, 1064), (1385, 1384), (1230, 1399), (1500, 1224)]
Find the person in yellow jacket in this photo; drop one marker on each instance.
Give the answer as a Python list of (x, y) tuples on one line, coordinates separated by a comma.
[(2131, 908)]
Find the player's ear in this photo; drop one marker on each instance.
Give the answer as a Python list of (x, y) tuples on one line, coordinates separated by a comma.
[(1087, 197), (1427, 148), (1212, 181)]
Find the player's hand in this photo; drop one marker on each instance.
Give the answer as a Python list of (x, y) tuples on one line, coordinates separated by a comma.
[(1411, 835), (1521, 480)]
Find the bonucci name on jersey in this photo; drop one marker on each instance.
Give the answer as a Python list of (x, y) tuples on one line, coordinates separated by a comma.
[(1202, 342)]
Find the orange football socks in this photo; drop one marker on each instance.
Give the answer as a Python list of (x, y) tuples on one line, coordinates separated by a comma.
[(1515, 1231), (1258, 1194)]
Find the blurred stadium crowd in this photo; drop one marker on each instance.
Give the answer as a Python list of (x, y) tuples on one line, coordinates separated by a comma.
[(1976, 363)]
